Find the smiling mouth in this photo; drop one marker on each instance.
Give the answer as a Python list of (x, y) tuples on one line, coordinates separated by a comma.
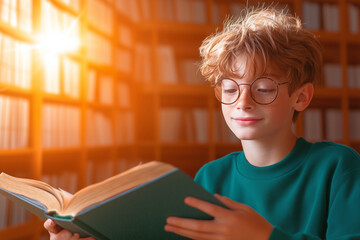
[(246, 121)]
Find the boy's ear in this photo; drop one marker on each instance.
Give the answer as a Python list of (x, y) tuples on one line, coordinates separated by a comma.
[(303, 97)]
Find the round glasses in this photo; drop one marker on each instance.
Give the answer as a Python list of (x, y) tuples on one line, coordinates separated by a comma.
[(263, 90)]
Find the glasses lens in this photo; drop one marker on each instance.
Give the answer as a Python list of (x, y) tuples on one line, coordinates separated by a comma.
[(227, 91), (264, 90)]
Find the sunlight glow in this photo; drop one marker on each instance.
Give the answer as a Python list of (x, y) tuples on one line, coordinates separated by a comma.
[(57, 43)]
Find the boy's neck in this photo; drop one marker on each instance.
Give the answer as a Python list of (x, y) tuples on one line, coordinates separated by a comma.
[(267, 152)]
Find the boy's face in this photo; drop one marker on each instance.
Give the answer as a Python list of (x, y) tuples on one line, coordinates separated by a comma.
[(249, 120)]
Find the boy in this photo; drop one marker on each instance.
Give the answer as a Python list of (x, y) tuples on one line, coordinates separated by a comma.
[(263, 68)]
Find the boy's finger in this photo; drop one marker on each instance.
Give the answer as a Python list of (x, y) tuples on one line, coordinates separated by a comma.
[(51, 226), (206, 207), (230, 203)]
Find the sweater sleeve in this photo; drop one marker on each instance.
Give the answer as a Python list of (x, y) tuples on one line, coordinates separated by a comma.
[(278, 234), (343, 222)]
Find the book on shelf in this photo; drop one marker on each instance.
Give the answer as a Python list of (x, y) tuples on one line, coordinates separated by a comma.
[(99, 48), (331, 17), (124, 60), (98, 170), (131, 9), (334, 124), (125, 35), (106, 92), (3, 211), (317, 16), (311, 15), (222, 133), (353, 18), (170, 124), (189, 69), (14, 122), (60, 126), (236, 9), (177, 124), (313, 124), (51, 73), (98, 128), (142, 66), (15, 66), (57, 20), (197, 125), (123, 95), (332, 74), (65, 179), (354, 120), (166, 64), (17, 14), (100, 14), (182, 11), (353, 72), (131, 205), (125, 128), (71, 78), (91, 85)]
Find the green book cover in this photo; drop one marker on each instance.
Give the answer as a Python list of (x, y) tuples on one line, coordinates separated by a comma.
[(138, 213)]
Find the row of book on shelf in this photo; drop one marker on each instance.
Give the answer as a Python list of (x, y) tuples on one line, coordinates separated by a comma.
[(14, 122), (55, 20), (15, 62), (184, 11), (63, 80), (100, 128), (15, 69), (18, 14), (100, 88), (333, 75), (12, 214), (318, 15), (186, 71), (169, 69), (101, 15), (60, 125), (192, 125), (314, 120)]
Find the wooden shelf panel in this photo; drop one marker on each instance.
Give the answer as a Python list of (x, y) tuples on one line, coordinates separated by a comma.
[(23, 231)]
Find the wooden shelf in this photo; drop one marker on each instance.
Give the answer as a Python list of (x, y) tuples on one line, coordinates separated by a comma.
[(148, 98), (23, 231)]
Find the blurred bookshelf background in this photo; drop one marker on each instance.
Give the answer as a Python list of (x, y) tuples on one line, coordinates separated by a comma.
[(89, 88)]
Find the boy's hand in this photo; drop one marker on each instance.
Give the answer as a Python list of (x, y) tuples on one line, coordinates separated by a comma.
[(238, 222), (57, 233)]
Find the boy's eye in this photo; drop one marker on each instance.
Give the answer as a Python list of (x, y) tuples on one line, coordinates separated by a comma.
[(230, 91), (265, 90)]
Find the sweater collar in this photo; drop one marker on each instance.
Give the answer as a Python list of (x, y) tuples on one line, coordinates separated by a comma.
[(286, 165)]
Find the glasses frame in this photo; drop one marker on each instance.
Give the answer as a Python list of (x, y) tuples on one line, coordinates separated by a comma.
[(250, 85)]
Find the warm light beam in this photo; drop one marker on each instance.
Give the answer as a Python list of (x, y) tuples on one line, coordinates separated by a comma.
[(57, 43)]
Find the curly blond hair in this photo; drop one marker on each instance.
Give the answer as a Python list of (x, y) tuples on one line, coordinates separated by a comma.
[(266, 37)]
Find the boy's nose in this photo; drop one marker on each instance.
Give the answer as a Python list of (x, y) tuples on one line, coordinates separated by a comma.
[(245, 100)]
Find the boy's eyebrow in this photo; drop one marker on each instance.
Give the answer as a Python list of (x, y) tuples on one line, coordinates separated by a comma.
[(237, 77), (274, 75)]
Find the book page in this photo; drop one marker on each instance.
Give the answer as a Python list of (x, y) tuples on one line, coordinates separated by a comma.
[(113, 186), (39, 191), (65, 204)]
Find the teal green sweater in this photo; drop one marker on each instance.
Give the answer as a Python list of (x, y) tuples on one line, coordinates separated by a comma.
[(313, 193)]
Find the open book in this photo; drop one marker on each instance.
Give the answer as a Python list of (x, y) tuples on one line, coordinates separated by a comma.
[(131, 205)]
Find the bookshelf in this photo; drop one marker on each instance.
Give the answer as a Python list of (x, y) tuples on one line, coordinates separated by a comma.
[(127, 90)]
